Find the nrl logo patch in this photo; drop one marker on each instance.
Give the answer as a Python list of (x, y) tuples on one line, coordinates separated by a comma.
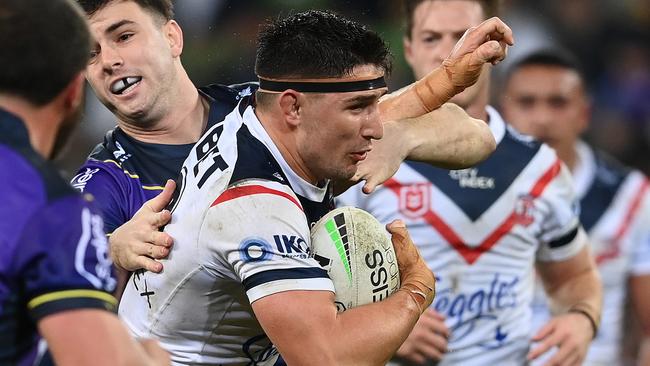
[(415, 200)]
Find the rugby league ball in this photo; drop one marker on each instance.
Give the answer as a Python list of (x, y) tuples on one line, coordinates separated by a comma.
[(356, 251)]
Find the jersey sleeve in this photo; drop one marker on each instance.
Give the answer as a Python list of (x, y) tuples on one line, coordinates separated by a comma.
[(263, 236), (562, 235), (108, 184), (64, 260)]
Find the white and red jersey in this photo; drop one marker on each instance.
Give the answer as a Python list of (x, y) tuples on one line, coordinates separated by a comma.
[(480, 230), (615, 211), (240, 222)]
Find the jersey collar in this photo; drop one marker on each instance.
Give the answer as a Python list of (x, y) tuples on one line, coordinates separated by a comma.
[(299, 185), (496, 123)]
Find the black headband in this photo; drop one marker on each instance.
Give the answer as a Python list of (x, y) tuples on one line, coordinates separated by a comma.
[(321, 86)]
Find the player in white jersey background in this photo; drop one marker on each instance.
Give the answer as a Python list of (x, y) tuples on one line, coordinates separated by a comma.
[(545, 96), (240, 286), (482, 230)]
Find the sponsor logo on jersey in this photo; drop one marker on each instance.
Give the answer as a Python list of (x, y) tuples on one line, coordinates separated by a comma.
[(255, 249), (92, 243), (469, 178), (291, 246), (467, 311), (79, 181), (120, 154), (414, 199)]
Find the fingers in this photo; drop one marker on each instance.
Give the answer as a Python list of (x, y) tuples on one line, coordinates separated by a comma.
[(549, 340), (159, 202), (148, 264), (495, 29), (369, 186), (160, 239)]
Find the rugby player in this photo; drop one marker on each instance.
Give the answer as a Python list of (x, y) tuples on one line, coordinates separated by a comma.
[(482, 229), (55, 273), (545, 96), (240, 286), (136, 72)]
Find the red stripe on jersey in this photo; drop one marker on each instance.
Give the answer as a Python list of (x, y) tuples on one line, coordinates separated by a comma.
[(471, 254), (241, 191), (614, 249)]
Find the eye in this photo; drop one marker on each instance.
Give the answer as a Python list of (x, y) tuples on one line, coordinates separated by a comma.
[(124, 37)]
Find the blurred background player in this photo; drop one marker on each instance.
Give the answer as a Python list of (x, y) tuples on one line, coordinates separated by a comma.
[(545, 96), (55, 273), (481, 229), (160, 114), (240, 285)]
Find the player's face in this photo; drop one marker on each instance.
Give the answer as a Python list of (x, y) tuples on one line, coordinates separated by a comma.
[(132, 62), (338, 129), (437, 26), (547, 102)]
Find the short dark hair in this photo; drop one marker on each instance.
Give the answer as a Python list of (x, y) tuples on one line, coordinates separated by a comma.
[(558, 57), (45, 44), (164, 8), (317, 44), (491, 8)]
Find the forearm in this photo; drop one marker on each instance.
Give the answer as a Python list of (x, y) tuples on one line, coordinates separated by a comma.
[(644, 351), (367, 335), (447, 138), (581, 292)]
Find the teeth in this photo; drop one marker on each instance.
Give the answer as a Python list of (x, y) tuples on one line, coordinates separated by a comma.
[(122, 85), (118, 86)]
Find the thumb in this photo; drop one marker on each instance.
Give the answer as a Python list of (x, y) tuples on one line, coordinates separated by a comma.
[(159, 202), (489, 52)]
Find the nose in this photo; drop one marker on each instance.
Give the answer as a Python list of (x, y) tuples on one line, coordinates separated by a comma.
[(110, 59), (373, 128)]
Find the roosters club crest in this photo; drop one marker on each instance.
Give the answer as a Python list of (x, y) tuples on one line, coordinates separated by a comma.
[(414, 200)]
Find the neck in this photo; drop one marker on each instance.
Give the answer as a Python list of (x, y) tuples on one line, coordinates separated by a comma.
[(284, 139), (182, 123), (568, 154), (42, 123)]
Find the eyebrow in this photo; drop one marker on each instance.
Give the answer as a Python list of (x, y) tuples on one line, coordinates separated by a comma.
[(369, 98), (115, 26)]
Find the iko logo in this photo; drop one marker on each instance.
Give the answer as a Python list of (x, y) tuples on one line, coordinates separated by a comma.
[(291, 246), (467, 311), (468, 178), (119, 154), (79, 181), (255, 249)]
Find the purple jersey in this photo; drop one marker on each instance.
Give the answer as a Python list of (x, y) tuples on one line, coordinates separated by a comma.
[(53, 252), (123, 173)]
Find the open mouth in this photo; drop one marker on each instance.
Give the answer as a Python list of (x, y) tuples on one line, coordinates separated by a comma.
[(123, 85)]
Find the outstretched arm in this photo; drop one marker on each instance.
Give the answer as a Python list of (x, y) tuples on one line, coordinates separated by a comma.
[(447, 138), (485, 43)]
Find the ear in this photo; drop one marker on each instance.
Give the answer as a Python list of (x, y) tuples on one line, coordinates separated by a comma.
[(174, 35), (585, 115), (73, 94), (290, 102)]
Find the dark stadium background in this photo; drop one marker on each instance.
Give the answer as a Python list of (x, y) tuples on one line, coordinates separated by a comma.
[(611, 38)]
